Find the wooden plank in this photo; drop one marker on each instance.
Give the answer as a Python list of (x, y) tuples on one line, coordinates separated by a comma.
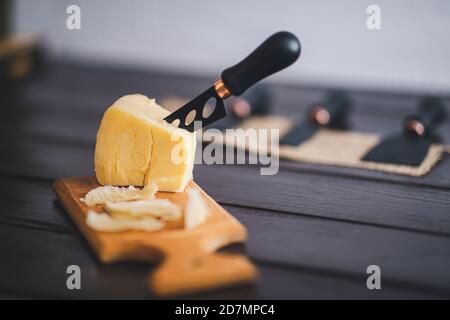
[(32, 157), (52, 126), (38, 261), (439, 177), (36, 264), (338, 198), (32, 203), (335, 197), (282, 239), (319, 244)]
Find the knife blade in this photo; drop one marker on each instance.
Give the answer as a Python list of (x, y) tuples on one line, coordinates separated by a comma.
[(411, 146)]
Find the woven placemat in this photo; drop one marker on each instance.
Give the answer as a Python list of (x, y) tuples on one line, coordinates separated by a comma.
[(328, 147)]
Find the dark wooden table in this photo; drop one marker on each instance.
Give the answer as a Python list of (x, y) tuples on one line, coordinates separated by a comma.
[(313, 229)]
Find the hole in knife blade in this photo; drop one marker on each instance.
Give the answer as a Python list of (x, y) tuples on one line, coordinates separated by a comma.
[(190, 117), (209, 107), (175, 122)]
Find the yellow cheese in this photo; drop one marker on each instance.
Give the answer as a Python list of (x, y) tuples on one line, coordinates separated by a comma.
[(106, 223), (136, 146), (104, 194), (196, 210), (157, 208)]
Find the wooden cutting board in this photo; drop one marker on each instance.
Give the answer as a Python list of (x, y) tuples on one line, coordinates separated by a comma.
[(189, 259)]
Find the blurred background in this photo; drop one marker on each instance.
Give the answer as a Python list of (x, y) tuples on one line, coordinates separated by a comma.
[(409, 53)]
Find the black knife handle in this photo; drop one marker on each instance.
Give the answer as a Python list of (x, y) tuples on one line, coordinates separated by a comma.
[(276, 53), (333, 112), (431, 113)]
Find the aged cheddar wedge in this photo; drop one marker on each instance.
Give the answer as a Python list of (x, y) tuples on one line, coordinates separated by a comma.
[(135, 146)]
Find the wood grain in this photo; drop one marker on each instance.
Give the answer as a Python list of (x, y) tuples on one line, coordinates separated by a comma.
[(336, 248), (37, 266), (334, 221), (341, 197), (189, 260)]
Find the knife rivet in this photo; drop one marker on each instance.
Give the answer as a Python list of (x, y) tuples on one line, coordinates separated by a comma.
[(320, 115), (415, 127)]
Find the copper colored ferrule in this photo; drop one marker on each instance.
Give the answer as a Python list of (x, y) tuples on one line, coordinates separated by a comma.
[(221, 90), (415, 127), (320, 116)]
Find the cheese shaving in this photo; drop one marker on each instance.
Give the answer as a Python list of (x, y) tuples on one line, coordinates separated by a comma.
[(104, 222), (196, 210), (104, 194), (157, 208)]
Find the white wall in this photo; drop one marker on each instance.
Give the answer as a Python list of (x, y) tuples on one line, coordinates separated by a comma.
[(411, 51)]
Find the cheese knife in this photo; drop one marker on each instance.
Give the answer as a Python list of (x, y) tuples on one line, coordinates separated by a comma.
[(331, 113), (276, 53), (410, 146)]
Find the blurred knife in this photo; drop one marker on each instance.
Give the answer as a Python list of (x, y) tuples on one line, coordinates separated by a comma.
[(255, 101), (332, 113), (411, 146), (276, 53)]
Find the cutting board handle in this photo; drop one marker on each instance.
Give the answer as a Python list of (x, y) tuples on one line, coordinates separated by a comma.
[(189, 273)]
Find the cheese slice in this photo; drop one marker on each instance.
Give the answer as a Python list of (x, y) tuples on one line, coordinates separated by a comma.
[(135, 146), (157, 208), (196, 210), (104, 222), (104, 194)]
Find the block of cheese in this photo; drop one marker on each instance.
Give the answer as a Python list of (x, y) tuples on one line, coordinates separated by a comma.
[(136, 146)]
